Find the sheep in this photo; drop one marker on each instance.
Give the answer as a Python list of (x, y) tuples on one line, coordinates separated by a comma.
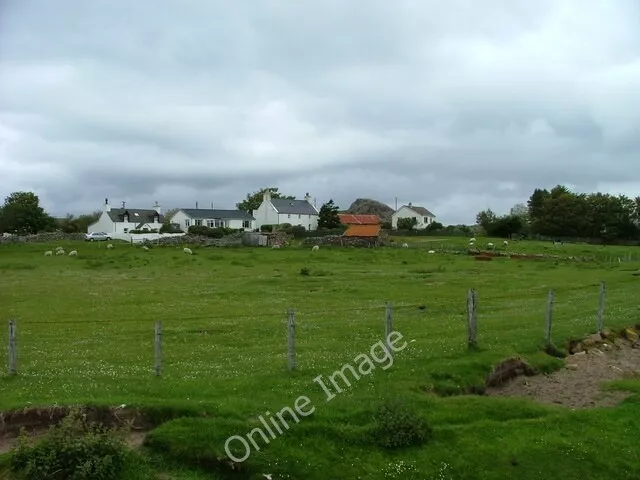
[(431, 251), (472, 239), (490, 245), (505, 243), (315, 248), (276, 246), (404, 245), (109, 246), (60, 252), (73, 253), (187, 251), (145, 248), (48, 253)]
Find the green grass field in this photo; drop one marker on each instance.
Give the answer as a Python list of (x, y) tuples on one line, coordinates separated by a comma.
[(85, 330)]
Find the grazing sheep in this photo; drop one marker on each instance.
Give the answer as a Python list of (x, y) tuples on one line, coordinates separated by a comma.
[(431, 251), (60, 252), (109, 246), (145, 248), (275, 246), (48, 253), (73, 253), (404, 245), (187, 251), (315, 248), (490, 245), (473, 239), (505, 243)]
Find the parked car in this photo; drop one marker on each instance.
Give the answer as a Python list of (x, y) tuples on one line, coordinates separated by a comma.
[(97, 236)]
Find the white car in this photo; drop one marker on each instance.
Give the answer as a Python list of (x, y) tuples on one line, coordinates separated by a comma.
[(96, 236)]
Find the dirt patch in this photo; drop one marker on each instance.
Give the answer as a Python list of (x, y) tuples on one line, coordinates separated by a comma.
[(579, 384), (36, 422), (508, 370)]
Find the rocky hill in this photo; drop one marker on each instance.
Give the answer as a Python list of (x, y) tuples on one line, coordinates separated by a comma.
[(367, 206)]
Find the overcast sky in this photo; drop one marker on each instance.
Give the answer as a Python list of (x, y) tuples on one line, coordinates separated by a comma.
[(455, 106)]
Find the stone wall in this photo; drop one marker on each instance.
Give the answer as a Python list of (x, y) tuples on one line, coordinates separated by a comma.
[(233, 240), (42, 237), (341, 241)]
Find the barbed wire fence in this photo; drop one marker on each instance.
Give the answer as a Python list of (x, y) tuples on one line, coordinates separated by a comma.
[(301, 323)]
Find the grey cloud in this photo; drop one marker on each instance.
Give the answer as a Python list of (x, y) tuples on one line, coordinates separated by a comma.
[(440, 104)]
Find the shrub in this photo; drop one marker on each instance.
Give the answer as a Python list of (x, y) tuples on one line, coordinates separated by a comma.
[(304, 271), (72, 450), (398, 426), (168, 228)]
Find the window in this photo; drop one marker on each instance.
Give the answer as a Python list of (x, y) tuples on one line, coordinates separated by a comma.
[(126, 230), (426, 219), (221, 223), (246, 224), (198, 223), (289, 216), (299, 217), (210, 223), (187, 223)]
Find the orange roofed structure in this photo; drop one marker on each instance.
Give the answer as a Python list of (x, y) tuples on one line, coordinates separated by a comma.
[(368, 231), (351, 219)]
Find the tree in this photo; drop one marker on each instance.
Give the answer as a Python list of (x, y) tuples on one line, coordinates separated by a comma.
[(254, 200), (71, 224), (485, 219), (408, 223), (328, 216), (22, 214)]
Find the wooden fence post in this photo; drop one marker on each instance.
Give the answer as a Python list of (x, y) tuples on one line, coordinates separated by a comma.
[(550, 303), (603, 294), (158, 349), (291, 329), (388, 325), (472, 318), (13, 354)]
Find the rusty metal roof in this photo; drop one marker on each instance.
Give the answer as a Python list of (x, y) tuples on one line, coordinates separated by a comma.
[(351, 219), (362, 231)]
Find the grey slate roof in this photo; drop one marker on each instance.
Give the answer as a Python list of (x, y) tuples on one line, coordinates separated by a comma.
[(295, 207), (207, 213), (421, 210), (135, 215)]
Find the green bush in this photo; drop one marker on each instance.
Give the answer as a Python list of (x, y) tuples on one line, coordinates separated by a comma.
[(217, 232), (168, 228), (72, 450), (305, 272), (398, 426)]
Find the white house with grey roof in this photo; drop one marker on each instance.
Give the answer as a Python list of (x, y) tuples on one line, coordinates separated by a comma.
[(213, 218), (423, 217), (123, 220), (276, 211)]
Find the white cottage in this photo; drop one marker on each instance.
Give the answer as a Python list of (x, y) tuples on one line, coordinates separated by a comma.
[(423, 217), (276, 211), (213, 218), (123, 220)]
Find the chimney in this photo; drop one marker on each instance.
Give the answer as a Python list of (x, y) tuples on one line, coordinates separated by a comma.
[(212, 206), (196, 205), (409, 204), (307, 197), (267, 195), (157, 208), (106, 207)]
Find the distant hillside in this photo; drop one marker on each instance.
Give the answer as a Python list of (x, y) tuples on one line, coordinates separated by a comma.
[(367, 206)]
